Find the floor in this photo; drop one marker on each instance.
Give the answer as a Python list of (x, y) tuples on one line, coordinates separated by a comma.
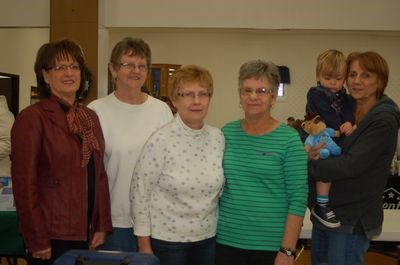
[(372, 258)]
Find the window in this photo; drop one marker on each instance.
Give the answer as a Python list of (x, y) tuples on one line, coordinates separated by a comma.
[(281, 90), (285, 79)]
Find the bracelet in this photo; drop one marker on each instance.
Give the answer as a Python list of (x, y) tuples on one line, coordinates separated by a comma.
[(288, 252)]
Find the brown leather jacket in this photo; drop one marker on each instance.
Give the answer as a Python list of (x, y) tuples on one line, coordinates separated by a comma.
[(49, 184)]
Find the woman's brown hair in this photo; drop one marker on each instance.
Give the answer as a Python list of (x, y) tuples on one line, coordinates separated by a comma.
[(374, 63)]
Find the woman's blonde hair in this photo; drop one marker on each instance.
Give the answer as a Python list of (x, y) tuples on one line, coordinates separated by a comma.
[(189, 74)]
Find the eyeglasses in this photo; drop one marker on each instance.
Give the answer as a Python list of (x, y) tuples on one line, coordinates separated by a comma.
[(191, 95), (260, 91), (63, 68), (131, 66), (361, 76)]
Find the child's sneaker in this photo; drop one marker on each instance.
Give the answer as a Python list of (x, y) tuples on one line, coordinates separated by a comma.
[(325, 216)]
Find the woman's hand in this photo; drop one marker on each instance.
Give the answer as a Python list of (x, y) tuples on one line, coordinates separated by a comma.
[(313, 152), (144, 245), (42, 254), (282, 259), (98, 239)]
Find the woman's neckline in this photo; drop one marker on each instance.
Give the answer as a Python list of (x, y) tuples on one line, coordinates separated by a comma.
[(131, 98), (259, 127)]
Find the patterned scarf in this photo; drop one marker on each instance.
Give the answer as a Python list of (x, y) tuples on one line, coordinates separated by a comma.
[(80, 123)]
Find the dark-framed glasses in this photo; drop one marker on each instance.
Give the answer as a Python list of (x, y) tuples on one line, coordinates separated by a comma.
[(260, 91), (63, 67), (191, 95), (131, 66)]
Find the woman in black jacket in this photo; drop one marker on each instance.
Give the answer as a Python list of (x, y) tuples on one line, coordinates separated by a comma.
[(360, 174)]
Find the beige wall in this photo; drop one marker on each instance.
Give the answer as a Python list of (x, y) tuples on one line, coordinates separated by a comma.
[(24, 26), (24, 13), (258, 14), (223, 51), (17, 52)]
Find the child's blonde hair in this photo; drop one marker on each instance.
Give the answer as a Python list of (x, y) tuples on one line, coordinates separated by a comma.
[(331, 63)]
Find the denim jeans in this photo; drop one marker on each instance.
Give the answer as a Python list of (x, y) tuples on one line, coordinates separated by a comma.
[(336, 248), (188, 253), (121, 239)]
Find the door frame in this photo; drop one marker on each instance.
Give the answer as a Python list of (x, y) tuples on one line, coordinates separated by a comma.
[(14, 93)]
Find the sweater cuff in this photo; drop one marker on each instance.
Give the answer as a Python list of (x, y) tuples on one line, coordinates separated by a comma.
[(141, 229)]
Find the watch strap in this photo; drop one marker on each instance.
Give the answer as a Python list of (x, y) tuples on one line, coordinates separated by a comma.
[(288, 252)]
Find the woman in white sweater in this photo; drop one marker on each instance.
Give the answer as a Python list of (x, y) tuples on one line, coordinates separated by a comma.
[(128, 117), (178, 178), (6, 122)]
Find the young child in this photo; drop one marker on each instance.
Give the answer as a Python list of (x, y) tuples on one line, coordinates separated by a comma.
[(330, 100)]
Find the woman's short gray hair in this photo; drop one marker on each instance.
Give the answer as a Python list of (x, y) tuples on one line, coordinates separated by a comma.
[(258, 69)]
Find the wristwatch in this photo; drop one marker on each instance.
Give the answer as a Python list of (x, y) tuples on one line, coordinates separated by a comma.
[(288, 251)]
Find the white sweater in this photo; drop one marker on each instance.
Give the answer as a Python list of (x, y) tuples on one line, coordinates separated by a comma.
[(176, 183), (126, 128), (6, 123)]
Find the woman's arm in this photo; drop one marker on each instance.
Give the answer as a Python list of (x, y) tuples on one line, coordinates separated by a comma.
[(103, 223), (26, 144), (290, 237), (295, 176), (6, 122), (292, 231), (368, 145), (295, 170), (145, 177), (144, 245)]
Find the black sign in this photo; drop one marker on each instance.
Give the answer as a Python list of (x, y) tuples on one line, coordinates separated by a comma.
[(391, 195)]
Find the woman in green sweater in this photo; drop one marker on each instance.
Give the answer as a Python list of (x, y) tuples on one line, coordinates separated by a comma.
[(265, 165)]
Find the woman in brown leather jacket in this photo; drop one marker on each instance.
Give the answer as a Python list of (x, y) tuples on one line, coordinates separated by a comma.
[(59, 182)]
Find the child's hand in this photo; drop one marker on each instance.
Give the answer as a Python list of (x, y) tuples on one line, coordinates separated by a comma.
[(347, 128)]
